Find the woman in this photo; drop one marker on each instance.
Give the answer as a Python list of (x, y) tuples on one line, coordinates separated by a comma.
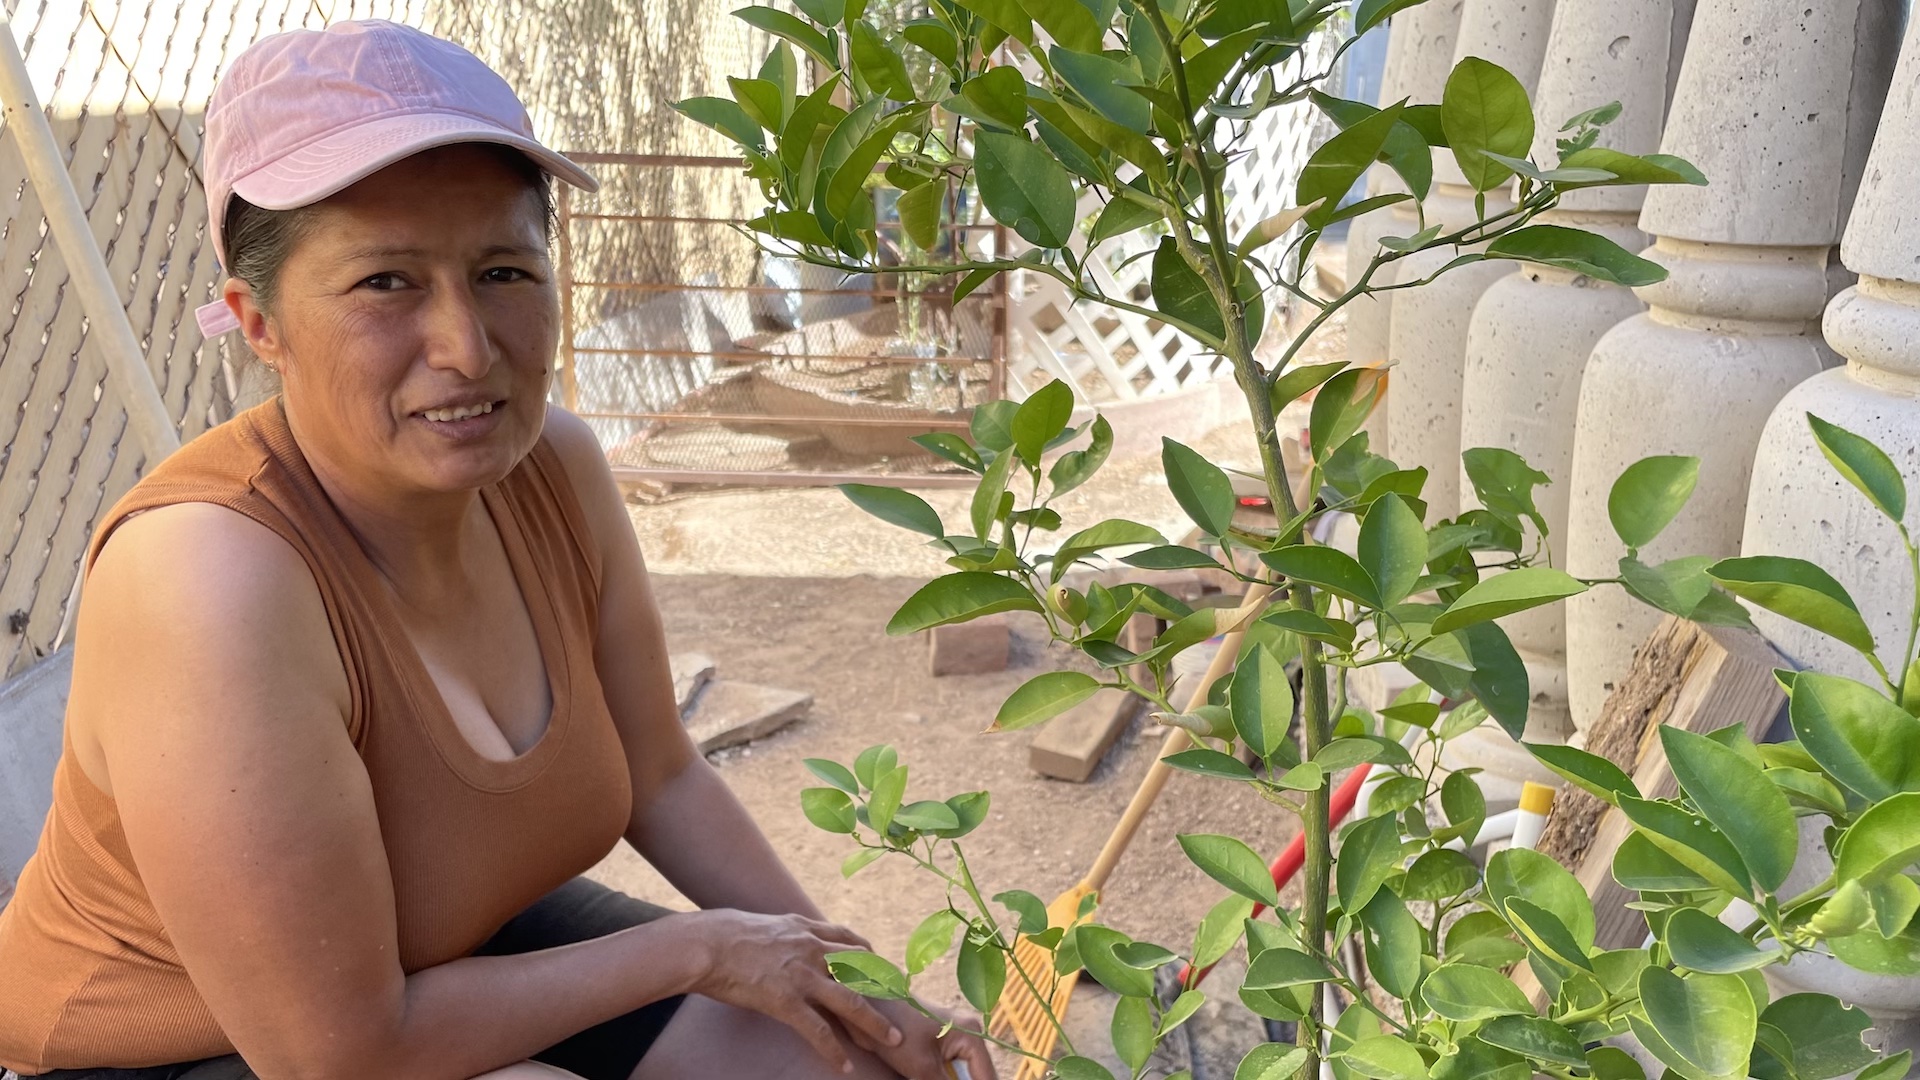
[(367, 676)]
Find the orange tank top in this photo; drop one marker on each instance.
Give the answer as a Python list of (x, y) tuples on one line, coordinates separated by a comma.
[(88, 975)]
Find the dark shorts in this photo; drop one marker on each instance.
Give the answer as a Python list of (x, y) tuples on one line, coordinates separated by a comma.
[(578, 911)]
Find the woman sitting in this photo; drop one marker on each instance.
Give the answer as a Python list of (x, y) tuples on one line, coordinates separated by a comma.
[(366, 677)]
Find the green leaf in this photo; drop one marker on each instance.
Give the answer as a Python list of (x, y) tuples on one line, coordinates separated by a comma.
[(1044, 697), (1231, 863), (1076, 467), (1506, 593), (1483, 938), (1199, 486), (1030, 910), (957, 598), (1864, 465), (1079, 1068), (1643, 867), (1545, 932), (867, 975), (1260, 698), (1170, 557), (1340, 407), (761, 100), (1295, 384), (1121, 216), (1579, 251), (873, 763), (1883, 840), (1180, 293), (1209, 763), (1733, 794), (828, 808), (1039, 418), (1392, 938), (781, 24), (1333, 169), (1859, 737), (1280, 968), (1535, 1038), (1220, 930), (1894, 1067), (1485, 108), (1114, 532), (969, 810), (1798, 590), (1628, 169), (1271, 1061), (927, 816), (1068, 22), (1590, 772), (1392, 548), (1824, 1035), (920, 214), (1466, 992), (1648, 495), (1368, 14), (931, 939), (725, 116), (952, 447), (860, 860), (833, 773), (877, 61), (1440, 874), (889, 788), (1706, 1021), (824, 12), (982, 973), (1006, 15), (1520, 874), (1132, 1030), (896, 507), (1312, 624), (1504, 482), (1690, 840), (1699, 941), (1024, 187), (1098, 946), (1385, 1057), (1328, 568), (1369, 854), (1102, 81)]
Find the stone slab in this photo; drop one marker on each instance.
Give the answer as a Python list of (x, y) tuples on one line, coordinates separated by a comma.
[(731, 713), (1070, 746), (691, 672), (969, 648)]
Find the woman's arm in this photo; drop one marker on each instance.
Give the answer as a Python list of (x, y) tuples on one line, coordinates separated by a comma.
[(209, 679)]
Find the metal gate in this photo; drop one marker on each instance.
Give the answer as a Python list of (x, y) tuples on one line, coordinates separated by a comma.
[(699, 358)]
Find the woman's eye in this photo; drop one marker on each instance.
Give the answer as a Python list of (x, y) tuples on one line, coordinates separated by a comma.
[(507, 273), (382, 282)]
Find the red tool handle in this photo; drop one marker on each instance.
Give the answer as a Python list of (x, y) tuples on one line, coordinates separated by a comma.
[(1295, 855)]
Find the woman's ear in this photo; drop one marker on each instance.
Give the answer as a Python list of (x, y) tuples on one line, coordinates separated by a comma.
[(258, 327)]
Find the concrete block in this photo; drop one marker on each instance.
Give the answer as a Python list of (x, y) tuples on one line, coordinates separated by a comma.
[(691, 671), (970, 648), (1070, 747), (732, 713)]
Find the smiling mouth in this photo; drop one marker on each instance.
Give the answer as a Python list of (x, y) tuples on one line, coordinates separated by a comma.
[(462, 412)]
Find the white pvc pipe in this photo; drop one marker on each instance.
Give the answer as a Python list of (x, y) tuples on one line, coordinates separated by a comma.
[(108, 328)]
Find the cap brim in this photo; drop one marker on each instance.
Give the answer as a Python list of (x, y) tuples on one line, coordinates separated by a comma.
[(345, 157)]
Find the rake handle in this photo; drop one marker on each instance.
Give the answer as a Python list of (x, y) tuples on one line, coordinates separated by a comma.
[(1176, 741)]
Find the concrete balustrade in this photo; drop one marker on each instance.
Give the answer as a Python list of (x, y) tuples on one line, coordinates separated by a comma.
[(1531, 333), (1427, 336), (1776, 103)]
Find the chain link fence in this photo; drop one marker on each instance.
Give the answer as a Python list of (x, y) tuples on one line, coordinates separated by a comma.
[(125, 85)]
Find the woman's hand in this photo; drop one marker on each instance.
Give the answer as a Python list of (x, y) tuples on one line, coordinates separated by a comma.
[(776, 965), (923, 1053)]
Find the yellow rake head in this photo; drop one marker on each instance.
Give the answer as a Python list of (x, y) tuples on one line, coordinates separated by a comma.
[(1024, 1012)]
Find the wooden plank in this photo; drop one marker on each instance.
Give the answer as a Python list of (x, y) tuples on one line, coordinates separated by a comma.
[(1070, 747), (1697, 678)]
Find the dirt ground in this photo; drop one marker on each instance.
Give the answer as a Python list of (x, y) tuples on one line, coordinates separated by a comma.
[(793, 589)]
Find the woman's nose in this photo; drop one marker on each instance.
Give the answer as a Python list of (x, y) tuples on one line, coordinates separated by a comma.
[(457, 337)]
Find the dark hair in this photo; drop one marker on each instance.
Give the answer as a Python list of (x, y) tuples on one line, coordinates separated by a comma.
[(259, 240)]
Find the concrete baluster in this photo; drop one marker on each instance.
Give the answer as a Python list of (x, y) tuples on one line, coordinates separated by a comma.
[(1427, 338), (1776, 103), (1419, 56), (1530, 335)]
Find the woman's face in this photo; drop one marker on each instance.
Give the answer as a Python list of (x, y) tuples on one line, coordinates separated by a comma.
[(415, 324)]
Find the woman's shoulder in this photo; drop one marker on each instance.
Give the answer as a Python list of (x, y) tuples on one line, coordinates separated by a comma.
[(570, 453)]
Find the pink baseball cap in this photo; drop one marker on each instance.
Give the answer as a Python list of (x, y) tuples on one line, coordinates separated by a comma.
[(304, 114)]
